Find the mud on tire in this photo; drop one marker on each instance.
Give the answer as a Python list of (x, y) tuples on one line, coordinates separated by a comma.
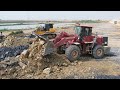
[(98, 52), (72, 53)]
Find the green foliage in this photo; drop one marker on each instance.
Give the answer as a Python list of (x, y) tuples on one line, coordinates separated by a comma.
[(90, 21), (16, 32), (3, 30)]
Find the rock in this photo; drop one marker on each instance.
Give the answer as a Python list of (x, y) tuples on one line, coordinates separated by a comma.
[(22, 65), (42, 42), (15, 75), (36, 77), (55, 68), (47, 71), (3, 66), (29, 76), (65, 64), (17, 56), (12, 63), (11, 70), (24, 54), (79, 63), (17, 53), (30, 55), (7, 52), (7, 58), (76, 77), (74, 63), (2, 57), (92, 77), (2, 72), (0, 44), (89, 68)]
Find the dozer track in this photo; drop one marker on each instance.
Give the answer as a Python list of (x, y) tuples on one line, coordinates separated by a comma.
[(49, 35)]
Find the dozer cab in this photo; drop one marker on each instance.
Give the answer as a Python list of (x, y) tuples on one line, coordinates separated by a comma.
[(75, 45), (47, 31)]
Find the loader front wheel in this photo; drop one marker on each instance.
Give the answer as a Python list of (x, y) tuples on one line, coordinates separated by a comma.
[(72, 53), (98, 52)]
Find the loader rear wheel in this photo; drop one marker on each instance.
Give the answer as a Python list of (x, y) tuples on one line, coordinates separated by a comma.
[(98, 52), (72, 53)]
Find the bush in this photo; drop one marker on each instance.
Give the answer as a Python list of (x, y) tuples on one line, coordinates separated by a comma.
[(12, 33), (16, 32), (19, 32), (3, 30), (90, 21)]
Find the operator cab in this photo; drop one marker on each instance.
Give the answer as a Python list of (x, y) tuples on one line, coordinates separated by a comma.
[(48, 26), (83, 30)]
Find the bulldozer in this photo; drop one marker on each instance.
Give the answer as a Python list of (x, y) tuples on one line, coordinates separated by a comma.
[(83, 41), (47, 31)]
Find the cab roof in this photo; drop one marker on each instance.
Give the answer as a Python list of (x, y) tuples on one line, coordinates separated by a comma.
[(78, 25), (84, 26)]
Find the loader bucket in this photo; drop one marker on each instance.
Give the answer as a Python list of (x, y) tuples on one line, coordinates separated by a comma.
[(48, 48)]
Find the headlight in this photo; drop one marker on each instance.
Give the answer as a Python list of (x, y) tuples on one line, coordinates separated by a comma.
[(105, 42)]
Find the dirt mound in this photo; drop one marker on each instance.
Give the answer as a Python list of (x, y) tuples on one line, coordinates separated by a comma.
[(35, 59), (38, 67), (34, 51), (13, 46), (12, 41), (31, 64)]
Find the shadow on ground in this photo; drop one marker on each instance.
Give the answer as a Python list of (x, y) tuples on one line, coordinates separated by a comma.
[(93, 77), (107, 77)]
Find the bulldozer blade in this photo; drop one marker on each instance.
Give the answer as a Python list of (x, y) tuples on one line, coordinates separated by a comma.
[(41, 37), (48, 48)]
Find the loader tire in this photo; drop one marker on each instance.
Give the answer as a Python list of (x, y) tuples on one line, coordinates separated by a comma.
[(72, 53), (98, 52)]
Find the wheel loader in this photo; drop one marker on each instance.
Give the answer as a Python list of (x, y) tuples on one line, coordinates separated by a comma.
[(83, 41), (47, 31)]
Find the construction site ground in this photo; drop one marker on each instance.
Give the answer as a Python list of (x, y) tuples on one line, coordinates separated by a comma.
[(56, 66)]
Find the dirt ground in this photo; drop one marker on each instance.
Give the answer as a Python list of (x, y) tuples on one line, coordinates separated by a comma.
[(88, 67), (58, 67)]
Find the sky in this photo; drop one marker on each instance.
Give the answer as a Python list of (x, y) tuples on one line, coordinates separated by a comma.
[(58, 15)]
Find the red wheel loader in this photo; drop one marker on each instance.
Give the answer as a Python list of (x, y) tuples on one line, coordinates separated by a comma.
[(77, 44)]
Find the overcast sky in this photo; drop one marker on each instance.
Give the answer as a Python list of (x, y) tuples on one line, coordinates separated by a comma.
[(58, 15)]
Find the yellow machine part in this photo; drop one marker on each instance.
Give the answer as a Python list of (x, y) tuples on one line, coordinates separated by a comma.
[(52, 30), (39, 32)]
